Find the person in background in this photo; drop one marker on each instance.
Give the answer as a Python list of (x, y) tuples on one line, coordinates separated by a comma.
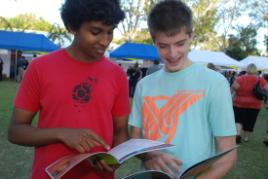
[(143, 71), (83, 105), (212, 66), (232, 77), (246, 105), (134, 75), (22, 64), (155, 67), (184, 103), (243, 72), (1, 68)]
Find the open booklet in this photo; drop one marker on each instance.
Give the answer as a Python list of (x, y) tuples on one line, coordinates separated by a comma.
[(116, 155), (191, 172)]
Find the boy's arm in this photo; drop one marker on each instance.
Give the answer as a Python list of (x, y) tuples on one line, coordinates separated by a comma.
[(22, 132), (120, 130), (221, 167)]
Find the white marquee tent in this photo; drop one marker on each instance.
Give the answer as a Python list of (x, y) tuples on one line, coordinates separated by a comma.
[(260, 62), (217, 58)]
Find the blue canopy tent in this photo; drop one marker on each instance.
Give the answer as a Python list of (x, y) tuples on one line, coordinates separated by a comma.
[(26, 41), (135, 50)]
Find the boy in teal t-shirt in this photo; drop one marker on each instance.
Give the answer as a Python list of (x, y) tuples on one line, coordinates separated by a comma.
[(184, 104)]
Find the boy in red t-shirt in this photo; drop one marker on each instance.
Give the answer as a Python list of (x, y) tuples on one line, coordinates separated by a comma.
[(80, 95)]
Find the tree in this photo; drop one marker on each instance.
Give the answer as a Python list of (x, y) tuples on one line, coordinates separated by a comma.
[(204, 20), (137, 11), (244, 44), (258, 10), (5, 24), (143, 36), (134, 15), (59, 35), (228, 13), (148, 6), (24, 22)]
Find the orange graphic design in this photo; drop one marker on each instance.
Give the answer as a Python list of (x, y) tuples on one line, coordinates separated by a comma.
[(158, 122)]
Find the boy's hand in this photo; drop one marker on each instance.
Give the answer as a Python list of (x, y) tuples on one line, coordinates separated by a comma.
[(81, 140), (164, 162)]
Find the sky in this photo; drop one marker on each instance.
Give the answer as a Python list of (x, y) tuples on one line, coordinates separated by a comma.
[(49, 10)]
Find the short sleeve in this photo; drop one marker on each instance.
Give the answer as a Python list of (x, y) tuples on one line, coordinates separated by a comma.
[(220, 114), (28, 94), (121, 105), (135, 118)]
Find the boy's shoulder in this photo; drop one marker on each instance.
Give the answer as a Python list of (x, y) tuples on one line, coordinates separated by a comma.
[(151, 77), (210, 74), (50, 57)]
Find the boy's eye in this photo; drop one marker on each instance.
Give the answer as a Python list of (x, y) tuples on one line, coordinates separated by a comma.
[(110, 32), (95, 32), (180, 44), (162, 46)]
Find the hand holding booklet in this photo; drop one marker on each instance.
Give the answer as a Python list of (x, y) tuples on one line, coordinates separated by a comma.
[(116, 155), (191, 172)]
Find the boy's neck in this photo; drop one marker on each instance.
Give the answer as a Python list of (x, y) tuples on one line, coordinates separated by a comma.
[(77, 54)]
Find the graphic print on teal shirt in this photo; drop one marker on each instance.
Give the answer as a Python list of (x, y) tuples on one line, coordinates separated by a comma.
[(163, 122)]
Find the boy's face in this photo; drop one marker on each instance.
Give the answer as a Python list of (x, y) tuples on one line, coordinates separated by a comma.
[(173, 49), (92, 39)]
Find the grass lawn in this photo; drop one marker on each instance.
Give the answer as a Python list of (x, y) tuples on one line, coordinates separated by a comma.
[(15, 161)]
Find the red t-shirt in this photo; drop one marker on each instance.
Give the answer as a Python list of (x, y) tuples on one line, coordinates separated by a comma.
[(71, 94), (244, 96)]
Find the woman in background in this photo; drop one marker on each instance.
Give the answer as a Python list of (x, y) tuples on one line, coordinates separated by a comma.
[(246, 105)]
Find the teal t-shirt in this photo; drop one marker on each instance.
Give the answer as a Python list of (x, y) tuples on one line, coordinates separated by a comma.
[(188, 108)]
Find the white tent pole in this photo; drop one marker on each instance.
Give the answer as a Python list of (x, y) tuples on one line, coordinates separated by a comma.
[(16, 62)]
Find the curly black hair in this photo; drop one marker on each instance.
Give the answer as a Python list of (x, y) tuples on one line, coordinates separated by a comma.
[(76, 12)]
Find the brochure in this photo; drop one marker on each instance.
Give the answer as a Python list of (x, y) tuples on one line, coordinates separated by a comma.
[(191, 172), (116, 155)]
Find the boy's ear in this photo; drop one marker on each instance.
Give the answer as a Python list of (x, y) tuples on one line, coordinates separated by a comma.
[(192, 36), (71, 30)]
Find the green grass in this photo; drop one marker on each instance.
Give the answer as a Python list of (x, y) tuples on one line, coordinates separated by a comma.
[(15, 161)]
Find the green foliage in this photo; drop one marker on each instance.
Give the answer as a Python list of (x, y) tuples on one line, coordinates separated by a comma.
[(148, 5), (258, 11), (24, 22), (244, 44), (134, 15), (204, 20), (143, 36), (228, 12), (5, 24), (59, 35)]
